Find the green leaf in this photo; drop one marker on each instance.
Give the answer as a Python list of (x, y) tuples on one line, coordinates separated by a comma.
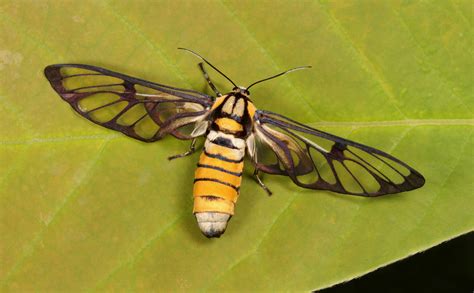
[(85, 208)]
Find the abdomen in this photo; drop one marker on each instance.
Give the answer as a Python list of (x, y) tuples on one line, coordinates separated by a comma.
[(217, 182)]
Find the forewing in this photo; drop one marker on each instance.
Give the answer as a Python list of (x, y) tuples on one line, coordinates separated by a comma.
[(318, 160), (140, 109)]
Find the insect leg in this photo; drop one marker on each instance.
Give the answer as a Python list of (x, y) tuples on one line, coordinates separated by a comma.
[(206, 76), (260, 182), (191, 151)]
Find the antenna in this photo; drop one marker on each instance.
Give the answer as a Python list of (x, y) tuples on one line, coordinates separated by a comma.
[(199, 56), (279, 74)]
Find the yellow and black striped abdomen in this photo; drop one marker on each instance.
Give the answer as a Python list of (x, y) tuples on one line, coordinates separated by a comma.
[(219, 174)]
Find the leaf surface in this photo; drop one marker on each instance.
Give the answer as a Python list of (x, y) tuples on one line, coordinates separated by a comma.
[(85, 208)]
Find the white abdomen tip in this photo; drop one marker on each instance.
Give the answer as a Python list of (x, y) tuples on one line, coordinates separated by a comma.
[(212, 224)]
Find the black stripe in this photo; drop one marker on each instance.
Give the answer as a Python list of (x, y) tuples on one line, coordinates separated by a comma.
[(222, 141), (222, 158), (219, 169), (212, 197), (217, 181)]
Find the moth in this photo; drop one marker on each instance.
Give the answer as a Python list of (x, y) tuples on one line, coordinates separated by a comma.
[(233, 127)]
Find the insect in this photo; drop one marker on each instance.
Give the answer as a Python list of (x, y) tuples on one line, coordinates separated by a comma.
[(233, 126)]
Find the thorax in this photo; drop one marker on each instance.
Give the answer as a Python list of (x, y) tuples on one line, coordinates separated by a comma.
[(233, 115)]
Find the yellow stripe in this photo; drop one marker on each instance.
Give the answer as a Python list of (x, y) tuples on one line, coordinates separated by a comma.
[(232, 167), (229, 124), (203, 188), (232, 154), (219, 175), (203, 204), (251, 109), (218, 102), (225, 195)]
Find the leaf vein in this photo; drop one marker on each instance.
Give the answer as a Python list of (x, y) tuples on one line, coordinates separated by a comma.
[(447, 83), (364, 60), (427, 209), (132, 260), (35, 242), (136, 30)]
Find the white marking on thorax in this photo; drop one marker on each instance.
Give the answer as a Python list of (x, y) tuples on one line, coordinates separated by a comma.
[(237, 142), (239, 108), (229, 104)]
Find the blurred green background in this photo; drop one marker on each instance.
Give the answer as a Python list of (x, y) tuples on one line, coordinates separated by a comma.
[(85, 208)]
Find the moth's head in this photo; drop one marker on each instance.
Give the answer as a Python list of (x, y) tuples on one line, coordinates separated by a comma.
[(241, 90)]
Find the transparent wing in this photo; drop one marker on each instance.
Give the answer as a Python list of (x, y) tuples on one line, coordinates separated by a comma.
[(318, 160), (140, 109)]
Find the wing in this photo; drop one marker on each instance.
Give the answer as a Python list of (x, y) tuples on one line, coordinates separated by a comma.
[(318, 160), (140, 109)]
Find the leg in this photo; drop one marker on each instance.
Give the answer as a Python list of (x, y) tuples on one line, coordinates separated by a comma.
[(191, 150), (206, 76), (260, 182)]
